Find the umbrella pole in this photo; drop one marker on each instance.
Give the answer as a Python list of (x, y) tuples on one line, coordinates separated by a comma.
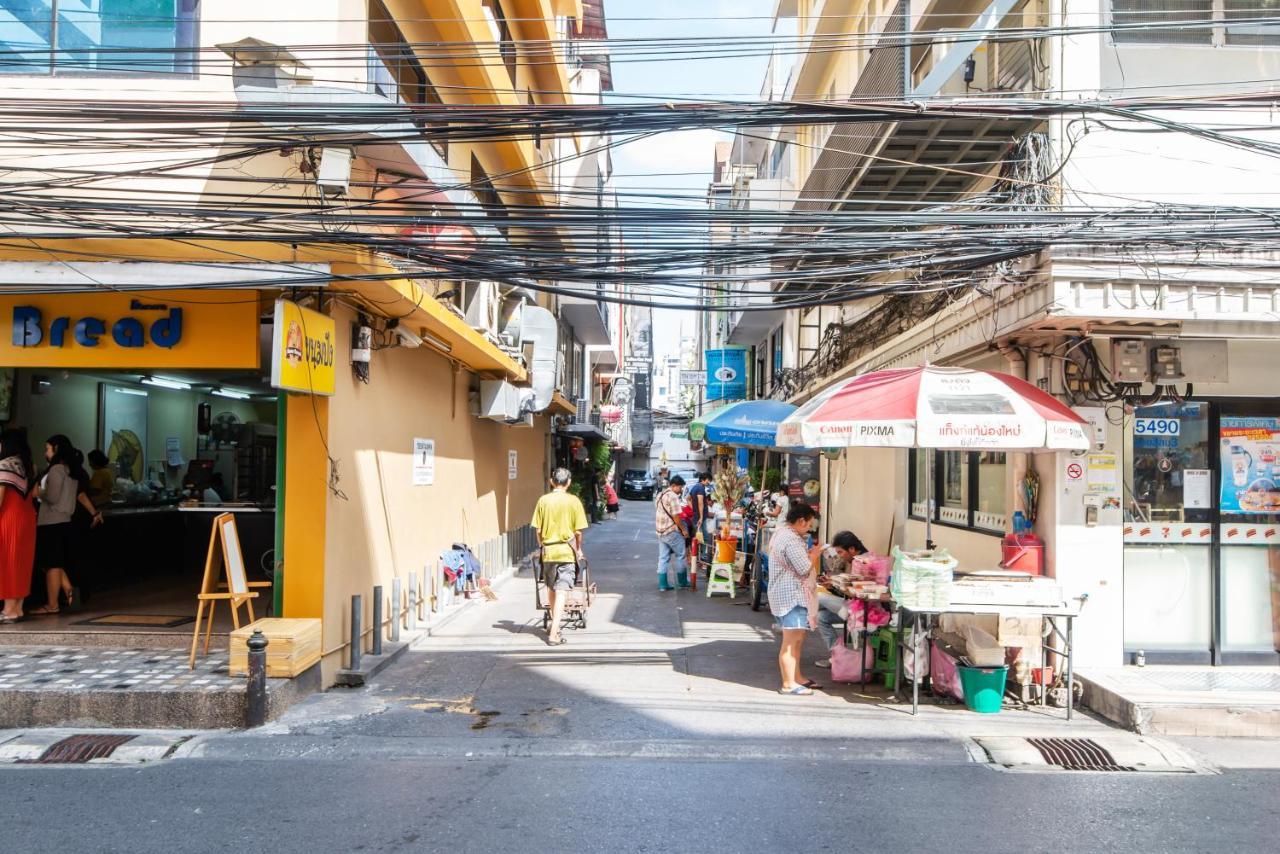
[(928, 499)]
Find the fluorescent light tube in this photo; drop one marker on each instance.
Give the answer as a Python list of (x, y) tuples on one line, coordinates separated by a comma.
[(162, 382), (232, 393)]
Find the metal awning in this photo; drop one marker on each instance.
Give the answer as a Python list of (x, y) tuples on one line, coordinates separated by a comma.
[(579, 430)]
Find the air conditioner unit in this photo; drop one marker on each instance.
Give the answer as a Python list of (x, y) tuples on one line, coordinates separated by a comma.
[(481, 305), (500, 400)]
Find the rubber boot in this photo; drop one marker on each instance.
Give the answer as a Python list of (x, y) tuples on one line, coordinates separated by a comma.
[(663, 584), (682, 580)]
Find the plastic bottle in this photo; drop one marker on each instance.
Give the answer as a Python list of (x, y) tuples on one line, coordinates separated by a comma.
[(1019, 523)]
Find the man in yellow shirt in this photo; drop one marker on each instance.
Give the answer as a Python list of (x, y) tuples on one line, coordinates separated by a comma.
[(559, 520)]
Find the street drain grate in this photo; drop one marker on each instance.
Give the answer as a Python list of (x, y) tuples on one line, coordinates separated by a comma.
[(1076, 754), (79, 749)]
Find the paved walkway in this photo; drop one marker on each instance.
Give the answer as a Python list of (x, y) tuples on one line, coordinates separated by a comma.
[(651, 669)]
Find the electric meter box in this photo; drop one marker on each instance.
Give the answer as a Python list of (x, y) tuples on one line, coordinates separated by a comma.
[(1169, 362), (1129, 363)]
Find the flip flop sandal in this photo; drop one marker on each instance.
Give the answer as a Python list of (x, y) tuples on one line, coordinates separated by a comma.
[(809, 683), (560, 641), (797, 691)]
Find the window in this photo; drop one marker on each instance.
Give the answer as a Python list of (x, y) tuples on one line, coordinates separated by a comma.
[(394, 70), (501, 31), (98, 36), (488, 197), (968, 488), (1137, 20), (1256, 32)]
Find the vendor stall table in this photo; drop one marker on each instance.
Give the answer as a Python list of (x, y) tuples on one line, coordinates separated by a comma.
[(921, 619)]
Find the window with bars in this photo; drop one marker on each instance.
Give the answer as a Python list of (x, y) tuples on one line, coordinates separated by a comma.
[(1195, 22), (109, 37), (968, 489)]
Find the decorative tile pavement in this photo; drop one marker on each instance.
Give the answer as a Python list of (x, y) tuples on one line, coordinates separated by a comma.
[(60, 668)]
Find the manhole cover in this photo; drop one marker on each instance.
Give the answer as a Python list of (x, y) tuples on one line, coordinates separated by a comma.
[(1076, 754), (1103, 753), (79, 749)]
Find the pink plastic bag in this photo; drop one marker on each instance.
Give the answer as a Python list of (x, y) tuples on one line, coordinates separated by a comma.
[(846, 664), (944, 674), (873, 568)]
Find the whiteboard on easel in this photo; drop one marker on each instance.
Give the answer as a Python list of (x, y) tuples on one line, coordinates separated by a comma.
[(237, 583)]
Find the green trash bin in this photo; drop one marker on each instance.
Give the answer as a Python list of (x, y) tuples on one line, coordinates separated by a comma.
[(983, 688)]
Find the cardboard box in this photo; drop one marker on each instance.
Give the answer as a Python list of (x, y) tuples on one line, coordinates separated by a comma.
[(1037, 594), (1019, 631), (293, 646)]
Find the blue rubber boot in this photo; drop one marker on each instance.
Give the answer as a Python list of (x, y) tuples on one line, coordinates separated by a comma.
[(682, 580), (663, 584)]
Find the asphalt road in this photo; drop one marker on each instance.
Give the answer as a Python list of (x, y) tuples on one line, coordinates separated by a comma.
[(657, 729)]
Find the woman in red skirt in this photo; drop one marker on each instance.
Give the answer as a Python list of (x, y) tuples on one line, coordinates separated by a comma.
[(17, 523)]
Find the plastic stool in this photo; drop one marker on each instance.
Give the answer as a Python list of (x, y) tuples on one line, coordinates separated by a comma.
[(720, 579), (885, 643)]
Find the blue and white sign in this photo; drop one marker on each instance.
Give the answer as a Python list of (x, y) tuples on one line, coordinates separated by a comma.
[(1157, 427), (727, 374)]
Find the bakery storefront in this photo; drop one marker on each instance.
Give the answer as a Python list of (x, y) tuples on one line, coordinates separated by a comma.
[(167, 391), (1202, 532)]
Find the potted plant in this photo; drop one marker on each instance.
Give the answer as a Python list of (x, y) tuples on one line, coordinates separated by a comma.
[(730, 488)]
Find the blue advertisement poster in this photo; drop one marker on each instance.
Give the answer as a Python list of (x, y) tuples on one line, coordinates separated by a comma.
[(1250, 465), (727, 374)]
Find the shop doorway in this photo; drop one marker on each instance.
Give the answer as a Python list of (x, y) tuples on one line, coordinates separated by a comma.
[(1202, 532), (180, 447)]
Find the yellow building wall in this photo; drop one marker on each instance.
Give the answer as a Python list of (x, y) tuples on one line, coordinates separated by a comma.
[(385, 526)]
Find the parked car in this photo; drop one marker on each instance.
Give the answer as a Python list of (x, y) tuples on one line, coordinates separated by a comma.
[(637, 483)]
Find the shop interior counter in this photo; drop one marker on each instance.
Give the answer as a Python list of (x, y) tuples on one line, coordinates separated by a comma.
[(166, 542)]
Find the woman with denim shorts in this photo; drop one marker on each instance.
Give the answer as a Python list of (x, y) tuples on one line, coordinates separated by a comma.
[(792, 591)]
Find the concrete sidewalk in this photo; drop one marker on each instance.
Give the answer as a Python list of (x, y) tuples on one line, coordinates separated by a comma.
[(673, 668)]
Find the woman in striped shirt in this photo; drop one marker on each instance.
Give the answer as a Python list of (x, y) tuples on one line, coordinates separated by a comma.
[(793, 592)]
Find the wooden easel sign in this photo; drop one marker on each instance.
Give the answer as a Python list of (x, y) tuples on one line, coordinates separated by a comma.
[(224, 555)]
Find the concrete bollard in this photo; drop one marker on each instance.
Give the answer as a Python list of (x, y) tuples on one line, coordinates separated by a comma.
[(255, 713), (377, 620), (397, 609), (356, 606), (413, 601)]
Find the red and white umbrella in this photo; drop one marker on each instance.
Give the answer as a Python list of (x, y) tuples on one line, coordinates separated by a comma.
[(954, 409), (935, 407)]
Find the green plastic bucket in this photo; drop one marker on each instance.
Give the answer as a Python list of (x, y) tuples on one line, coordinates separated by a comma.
[(983, 688)]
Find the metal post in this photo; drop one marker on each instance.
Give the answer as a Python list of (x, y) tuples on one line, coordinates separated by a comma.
[(413, 601), (255, 713), (377, 620), (397, 612), (915, 664), (356, 606), (1071, 676)]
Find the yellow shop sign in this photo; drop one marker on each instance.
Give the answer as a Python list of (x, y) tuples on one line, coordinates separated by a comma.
[(137, 330), (302, 349)]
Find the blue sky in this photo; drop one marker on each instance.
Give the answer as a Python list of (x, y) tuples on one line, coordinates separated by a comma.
[(681, 161)]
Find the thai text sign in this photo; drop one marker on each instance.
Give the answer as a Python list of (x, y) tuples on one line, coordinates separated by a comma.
[(302, 350)]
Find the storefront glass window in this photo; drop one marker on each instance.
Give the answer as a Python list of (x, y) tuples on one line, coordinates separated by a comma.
[(1249, 600), (1168, 532), (991, 508), (953, 502)]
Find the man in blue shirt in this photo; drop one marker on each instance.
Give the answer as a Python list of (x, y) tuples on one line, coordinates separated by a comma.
[(701, 503)]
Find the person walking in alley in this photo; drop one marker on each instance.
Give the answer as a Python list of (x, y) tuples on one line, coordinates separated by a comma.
[(671, 535), (792, 594), (559, 520)]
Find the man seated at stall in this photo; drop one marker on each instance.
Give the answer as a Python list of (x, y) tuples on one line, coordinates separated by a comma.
[(832, 611)]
